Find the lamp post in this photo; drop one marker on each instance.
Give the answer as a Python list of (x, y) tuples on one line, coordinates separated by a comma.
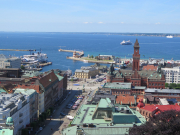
[(60, 119)]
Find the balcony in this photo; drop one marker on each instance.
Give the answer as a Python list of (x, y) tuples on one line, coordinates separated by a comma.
[(21, 114), (32, 102), (20, 121)]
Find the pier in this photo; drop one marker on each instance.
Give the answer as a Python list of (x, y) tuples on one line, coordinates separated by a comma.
[(15, 50), (90, 61), (81, 53)]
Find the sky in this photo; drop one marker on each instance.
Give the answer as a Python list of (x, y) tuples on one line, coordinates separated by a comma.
[(138, 16)]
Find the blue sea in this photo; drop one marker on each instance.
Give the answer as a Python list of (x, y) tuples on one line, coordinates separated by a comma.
[(92, 44)]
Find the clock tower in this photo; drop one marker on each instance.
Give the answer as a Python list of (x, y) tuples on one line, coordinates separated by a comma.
[(136, 56)]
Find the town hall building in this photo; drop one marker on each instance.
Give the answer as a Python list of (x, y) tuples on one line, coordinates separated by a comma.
[(137, 77)]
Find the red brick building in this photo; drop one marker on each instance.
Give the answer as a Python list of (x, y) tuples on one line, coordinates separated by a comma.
[(147, 78), (150, 110)]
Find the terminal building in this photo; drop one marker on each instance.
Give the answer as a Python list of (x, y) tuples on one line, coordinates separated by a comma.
[(104, 119), (9, 62)]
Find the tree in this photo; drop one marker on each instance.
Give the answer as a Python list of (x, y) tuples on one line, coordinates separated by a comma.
[(164, 123), (172, 85), (24, 131), (166, 85), (22, 67)]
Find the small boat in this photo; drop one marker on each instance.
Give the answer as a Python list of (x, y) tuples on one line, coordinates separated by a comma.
[(169, 36), (85, 61), (126, 42)]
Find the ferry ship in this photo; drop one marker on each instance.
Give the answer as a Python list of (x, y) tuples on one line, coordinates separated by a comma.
[(126, 42), (169, 36), (35, 57)]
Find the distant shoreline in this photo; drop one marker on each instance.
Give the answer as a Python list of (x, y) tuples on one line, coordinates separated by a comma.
[(106, 33)]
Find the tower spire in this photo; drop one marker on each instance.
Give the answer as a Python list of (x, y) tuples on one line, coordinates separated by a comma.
[(136, 56)]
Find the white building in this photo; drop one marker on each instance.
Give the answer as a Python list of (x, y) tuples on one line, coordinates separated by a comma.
[(17, 107), (9, 62), (156, 61), (40, 103), (172, 75)]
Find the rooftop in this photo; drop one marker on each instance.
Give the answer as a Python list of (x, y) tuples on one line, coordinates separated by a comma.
[(162, 90), (152, 108), (150, 67), (6, 132), (125, 100), (97, 114), (117, 85)]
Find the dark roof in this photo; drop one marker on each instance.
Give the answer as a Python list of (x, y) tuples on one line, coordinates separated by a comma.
[(46, 80), (172, 101), (9, 69), (8, 87)]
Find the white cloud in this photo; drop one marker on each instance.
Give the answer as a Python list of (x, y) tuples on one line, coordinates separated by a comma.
[(100, 22), (158, 23), (85, 22), (122, 22)]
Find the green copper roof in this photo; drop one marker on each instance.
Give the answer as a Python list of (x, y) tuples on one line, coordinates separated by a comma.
[(117, 85), (2, 90), (9, 120), (59, 77), (6, 132), (104, 103)]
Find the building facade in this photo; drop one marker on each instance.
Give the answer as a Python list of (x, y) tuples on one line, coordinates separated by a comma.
[(33, 101), (15, 106), (48, 82), (172, 75), (86, 72)]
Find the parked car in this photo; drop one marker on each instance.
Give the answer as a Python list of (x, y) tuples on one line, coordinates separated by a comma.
[(76, 104), (70, 117), (72, 78), (74, 107), (62, 114), (69, 106)]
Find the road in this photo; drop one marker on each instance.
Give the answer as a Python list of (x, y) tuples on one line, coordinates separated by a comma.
[(55, 124)]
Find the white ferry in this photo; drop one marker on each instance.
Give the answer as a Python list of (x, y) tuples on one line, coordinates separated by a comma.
[(126, 42), (169, 36), (35, 57)]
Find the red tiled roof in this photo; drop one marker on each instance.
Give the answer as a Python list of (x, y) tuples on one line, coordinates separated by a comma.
[(35, 87), (125, 99), (48, 79), (152, 108), (150, 67)]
